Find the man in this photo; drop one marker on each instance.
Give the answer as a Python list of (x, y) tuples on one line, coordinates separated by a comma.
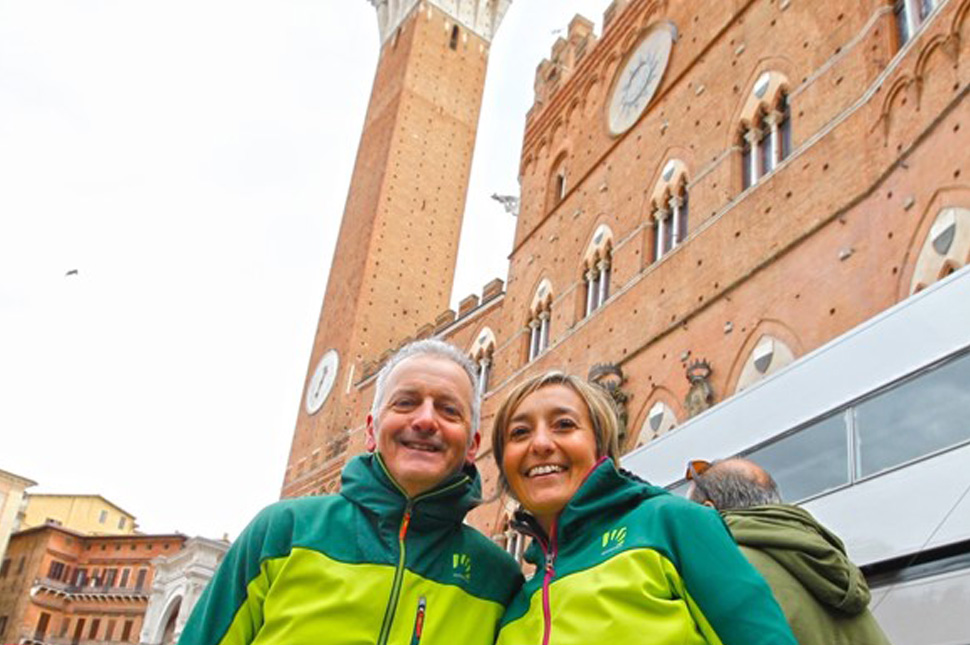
[(388, 560), (824, 596)]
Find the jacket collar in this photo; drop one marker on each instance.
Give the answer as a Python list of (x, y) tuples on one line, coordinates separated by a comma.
[(606, 488), (365, 481)]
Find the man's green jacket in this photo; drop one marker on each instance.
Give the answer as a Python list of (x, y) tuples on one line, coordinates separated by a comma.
[(366, 566)]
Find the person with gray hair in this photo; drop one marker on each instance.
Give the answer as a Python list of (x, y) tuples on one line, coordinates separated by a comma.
[(434, 348), (388, 559), (734, 483), (823, 594)]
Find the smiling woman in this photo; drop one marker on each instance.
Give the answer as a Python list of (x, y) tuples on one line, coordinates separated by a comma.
[(548, 438), (621, 558)]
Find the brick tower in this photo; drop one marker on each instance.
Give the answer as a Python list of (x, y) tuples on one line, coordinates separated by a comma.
[(395, 256)]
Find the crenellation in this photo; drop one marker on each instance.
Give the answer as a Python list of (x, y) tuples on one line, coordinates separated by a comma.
[(468, 304), (482, 17), (553, 72), (444, 319), (493, 290)]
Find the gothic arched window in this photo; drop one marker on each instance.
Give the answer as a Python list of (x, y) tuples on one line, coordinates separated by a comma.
[(482, 354), (597, 269), (766, 130), (540, 314)]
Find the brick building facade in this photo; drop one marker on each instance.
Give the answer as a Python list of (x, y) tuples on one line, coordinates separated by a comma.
[(708, 192), (60, 586)]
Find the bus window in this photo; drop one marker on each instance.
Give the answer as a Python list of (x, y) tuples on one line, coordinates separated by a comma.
[(916, 418), (810, 461)]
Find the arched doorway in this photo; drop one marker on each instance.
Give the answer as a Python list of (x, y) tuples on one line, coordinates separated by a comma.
[(168, 633)]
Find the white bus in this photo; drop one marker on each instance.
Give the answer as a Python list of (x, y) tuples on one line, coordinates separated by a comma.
[(870, 433)]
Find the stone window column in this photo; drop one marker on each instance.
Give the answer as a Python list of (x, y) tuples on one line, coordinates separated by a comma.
[(514, 544), (543, 331), (483, 364), (753, 137), (604, 268), (533, 338), (510, 542), (912, 16), (661, 216), (675, 204), (590, 291), (774, 118)]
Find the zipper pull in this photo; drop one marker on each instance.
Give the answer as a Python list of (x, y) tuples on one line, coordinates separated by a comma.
[(419, 621), (551, 564), (405, 521)]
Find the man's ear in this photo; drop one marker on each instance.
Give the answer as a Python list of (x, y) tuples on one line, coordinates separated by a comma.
[(708, 503), (473, 447), (370, 443)]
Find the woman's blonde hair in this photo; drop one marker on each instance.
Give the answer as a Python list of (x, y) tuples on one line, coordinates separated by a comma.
[(602, 413)]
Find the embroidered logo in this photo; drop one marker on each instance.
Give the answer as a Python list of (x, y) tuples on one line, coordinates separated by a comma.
[(461, 564), (613, 540)]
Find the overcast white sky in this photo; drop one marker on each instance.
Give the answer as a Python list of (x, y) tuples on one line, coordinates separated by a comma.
[(191, 160)]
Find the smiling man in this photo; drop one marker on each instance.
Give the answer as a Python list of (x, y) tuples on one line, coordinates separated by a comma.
[(388, 559)]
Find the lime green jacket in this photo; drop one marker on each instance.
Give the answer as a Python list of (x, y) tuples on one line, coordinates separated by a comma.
[(628, 563), (366, 566)]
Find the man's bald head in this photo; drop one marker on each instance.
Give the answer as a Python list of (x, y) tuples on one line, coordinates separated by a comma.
[(735, 483)]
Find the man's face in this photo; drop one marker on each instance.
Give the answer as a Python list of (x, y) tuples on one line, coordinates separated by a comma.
[(423, 424)]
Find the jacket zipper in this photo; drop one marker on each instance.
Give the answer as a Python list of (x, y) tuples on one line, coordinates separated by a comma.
[(550, 554), (399, 570)]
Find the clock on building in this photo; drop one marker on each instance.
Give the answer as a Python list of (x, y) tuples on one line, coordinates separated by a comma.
[(322, 381), (638, 78)]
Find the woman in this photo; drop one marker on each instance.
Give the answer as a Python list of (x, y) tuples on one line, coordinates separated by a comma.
[(618, 560)]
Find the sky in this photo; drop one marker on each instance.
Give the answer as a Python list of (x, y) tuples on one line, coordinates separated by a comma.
[(190, 161)]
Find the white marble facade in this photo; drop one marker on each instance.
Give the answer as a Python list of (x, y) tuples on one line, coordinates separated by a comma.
[(179, 581)]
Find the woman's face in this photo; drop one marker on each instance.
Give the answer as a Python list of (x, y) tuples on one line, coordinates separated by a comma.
[(549, 449)]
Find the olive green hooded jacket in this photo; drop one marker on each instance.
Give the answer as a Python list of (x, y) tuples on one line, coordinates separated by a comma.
[(824, 596), (369, 565)]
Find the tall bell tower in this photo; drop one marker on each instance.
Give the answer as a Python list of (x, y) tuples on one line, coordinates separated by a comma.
[(394, 261)]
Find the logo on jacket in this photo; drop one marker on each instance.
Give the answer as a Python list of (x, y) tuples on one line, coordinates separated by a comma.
[(461, 565), (613, 540)]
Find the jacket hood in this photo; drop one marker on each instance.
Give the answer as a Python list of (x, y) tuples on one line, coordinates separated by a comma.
[(367, 482), (806, 549)]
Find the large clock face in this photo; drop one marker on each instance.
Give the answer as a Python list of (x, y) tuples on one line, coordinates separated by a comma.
[(638, 79), (322, 381)]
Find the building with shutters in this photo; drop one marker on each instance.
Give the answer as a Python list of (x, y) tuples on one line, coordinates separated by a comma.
[(60, 586)]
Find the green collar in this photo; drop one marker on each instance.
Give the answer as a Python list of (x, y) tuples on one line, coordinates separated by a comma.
[(366, 482), (605, 489)]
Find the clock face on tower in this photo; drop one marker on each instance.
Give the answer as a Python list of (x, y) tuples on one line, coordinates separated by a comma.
[(638, 79), (322, 381)]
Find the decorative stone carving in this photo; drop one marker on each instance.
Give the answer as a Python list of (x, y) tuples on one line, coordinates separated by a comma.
[(700, 396), (610, 377), (509, 202), (946, 247)]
